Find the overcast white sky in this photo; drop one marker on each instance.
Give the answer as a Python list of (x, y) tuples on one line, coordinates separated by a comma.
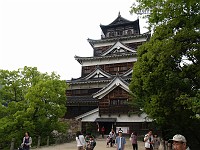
[(47, 34)]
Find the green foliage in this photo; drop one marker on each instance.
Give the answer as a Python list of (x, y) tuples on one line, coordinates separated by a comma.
[(166, 77), (30, 101)]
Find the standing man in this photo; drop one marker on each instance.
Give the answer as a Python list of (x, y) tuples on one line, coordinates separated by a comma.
[(179, 142), (148, 139), (102, 132), (120, 141)]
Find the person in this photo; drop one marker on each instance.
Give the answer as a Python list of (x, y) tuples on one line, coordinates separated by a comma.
[(91, 143), (120, 141), (80, 140), (120, 129), (112, 137), (107, 141), (148, 140), (179, 142), (87, 137), (133, 140), (156, 142), (102, 132), (26, 142)]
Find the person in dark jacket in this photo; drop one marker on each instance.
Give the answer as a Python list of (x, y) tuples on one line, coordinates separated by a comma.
[(27, 141)]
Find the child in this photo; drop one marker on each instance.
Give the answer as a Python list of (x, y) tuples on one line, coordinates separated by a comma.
[(91, 144)]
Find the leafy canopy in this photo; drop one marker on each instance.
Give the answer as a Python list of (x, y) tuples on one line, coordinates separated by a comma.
[(166, 76), (30, 101)]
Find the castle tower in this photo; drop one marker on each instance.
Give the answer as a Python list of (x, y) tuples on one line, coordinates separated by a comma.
[(101, 95)]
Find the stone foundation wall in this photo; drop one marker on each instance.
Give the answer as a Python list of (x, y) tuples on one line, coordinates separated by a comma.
[(74, 125)]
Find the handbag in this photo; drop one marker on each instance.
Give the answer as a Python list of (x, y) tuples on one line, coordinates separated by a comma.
[(20, 148)]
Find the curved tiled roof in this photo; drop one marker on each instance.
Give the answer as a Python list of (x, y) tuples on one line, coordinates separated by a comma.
[(113, 39), (80, 59), (128, 72), (81, 81), (126, 76), (117, 81), (118, 22)]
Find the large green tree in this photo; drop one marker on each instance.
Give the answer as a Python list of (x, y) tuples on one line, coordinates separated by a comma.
[(166, 76), (30, 101)]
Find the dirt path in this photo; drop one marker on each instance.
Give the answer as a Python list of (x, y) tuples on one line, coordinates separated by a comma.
[(101, 145)]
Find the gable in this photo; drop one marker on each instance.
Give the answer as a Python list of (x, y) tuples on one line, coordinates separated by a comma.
[(118, 48), (97, 73), (116, 82), (119, 20)]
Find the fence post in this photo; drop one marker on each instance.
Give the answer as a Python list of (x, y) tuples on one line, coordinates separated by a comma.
[(12, 144), (39, 139), (57, 140), (47, 140)]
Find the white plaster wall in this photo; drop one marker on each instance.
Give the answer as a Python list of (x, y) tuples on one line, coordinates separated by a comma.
[(141, 39), (109, 61), (121, 118)]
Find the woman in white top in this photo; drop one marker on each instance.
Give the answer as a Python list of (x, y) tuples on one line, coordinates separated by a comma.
[(148, 139), (80, 140)]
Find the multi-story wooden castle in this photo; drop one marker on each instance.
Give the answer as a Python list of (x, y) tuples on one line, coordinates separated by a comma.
[(101, 96)]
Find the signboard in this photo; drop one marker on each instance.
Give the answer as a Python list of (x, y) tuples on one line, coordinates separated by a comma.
[(124, 129)]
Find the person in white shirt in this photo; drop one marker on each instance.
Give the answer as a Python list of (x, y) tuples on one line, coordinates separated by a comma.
[(148, 139), (80, 140), (112, 137)]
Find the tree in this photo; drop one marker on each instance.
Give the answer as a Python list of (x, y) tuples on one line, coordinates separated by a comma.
[(30, 101), (166, 77)]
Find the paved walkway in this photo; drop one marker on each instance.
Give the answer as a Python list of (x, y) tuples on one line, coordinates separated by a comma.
[(101, 145)]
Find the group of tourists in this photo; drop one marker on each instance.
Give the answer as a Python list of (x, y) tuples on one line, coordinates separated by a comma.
[(85, 143), (152, 142), (110, 140), (114, 140)]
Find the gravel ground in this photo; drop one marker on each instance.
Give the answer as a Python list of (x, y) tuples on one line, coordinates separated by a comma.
[(101, 145)]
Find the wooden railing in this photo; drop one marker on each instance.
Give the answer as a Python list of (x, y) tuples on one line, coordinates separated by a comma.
[(58, 140)]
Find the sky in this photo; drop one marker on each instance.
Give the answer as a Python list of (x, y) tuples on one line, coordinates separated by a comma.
[(47, 34)]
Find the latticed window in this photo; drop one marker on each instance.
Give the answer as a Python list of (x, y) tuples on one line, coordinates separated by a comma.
[(118, 102), (129, 32), (119, 32), (111, 34)]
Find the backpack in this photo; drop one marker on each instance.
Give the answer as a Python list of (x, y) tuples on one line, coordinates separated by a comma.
[(143, 138)]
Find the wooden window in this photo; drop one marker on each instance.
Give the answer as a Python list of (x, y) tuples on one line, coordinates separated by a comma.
[(118, 102), (119, 33), (129, 32), (114, 102), (111, 34), (80, 92), (87, 70), (123, 68)]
